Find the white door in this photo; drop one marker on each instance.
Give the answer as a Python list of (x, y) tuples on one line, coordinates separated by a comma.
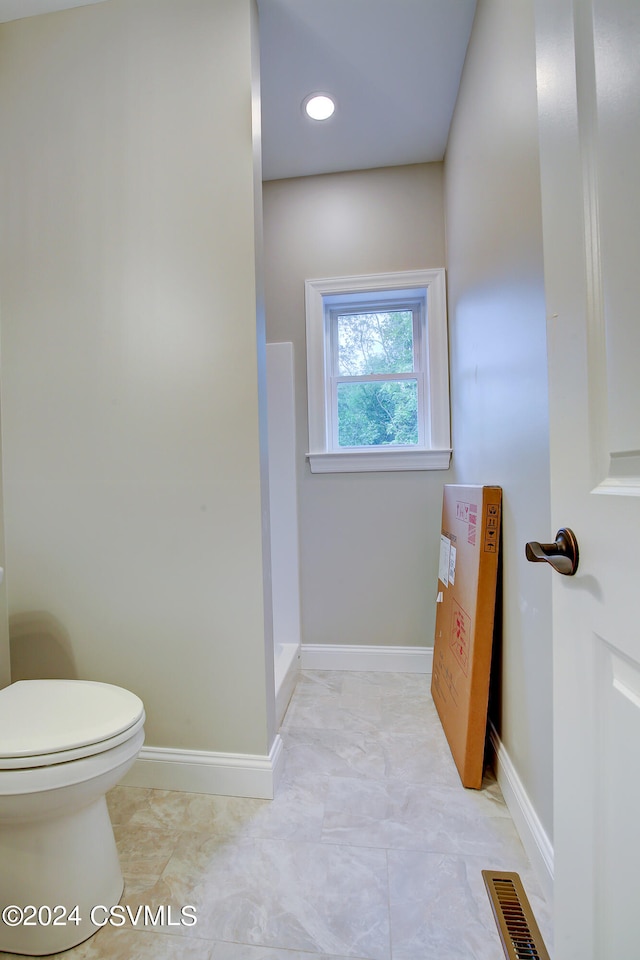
[(588, 65)]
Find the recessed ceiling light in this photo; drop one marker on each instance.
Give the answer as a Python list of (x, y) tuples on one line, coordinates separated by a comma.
[(318, 106)]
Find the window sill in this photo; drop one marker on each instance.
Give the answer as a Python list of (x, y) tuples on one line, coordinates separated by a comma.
[(368, 461)]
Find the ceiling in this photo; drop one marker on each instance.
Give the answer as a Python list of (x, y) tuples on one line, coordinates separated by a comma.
[(393, 67)]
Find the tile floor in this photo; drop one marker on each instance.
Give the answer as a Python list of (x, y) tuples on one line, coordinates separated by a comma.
[(371, 850)]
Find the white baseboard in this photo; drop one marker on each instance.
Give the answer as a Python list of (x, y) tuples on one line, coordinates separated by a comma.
[(533, 835), (197, 771), (320, 656)]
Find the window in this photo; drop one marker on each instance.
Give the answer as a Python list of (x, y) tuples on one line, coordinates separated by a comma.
[(377, 372)]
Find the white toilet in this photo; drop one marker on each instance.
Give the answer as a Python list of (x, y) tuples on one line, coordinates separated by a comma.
[(63, 744)]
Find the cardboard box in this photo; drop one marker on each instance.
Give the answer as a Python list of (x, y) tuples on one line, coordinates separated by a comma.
[(467, 580)]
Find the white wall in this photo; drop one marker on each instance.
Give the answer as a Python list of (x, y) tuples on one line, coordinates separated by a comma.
[(498, 357), (130, 417), (369, 542)]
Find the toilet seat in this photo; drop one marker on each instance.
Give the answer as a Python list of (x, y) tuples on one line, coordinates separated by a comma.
[(44, 722)]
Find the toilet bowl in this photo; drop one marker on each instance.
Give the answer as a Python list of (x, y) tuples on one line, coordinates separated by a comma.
[(63, 744)]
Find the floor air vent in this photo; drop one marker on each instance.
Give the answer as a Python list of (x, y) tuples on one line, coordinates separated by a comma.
[(519, 931)]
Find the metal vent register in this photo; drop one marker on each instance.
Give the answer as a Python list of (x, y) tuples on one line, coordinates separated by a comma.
[(521, 938)]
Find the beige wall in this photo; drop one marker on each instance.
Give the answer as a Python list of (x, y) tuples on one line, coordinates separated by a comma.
[(498, 356), (129, 349), (368, 542), (5, 665)]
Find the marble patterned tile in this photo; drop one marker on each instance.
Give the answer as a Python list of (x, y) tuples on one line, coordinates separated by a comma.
[(456, 801), (218, 815), (194, 860), (392, 814), (114, 943), (423, 758), (144, 945), (359, 812), (144, 851), (138, 887), (410, 714), (371, 684), (226, 816), (439, 908), (311, 752), (295, 813), (123, 802), (375, 756), (323, 683), (243, 951), (310, 897), (406, 684), (309, 712), (161, 810)]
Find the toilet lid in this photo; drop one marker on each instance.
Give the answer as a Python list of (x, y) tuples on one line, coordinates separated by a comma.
[(47, 716)]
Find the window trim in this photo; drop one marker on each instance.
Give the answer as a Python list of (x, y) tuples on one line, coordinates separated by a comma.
[(435, 453)]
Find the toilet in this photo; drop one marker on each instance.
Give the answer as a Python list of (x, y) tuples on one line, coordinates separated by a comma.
[(63, 744)]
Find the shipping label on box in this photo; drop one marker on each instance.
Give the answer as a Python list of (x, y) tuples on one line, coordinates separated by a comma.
[(465, 611)]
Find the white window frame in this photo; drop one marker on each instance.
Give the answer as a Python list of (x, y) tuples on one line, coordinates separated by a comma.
[(433, 452)]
